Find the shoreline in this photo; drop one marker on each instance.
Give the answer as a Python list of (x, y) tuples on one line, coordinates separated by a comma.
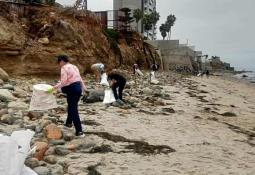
[(233, 77)]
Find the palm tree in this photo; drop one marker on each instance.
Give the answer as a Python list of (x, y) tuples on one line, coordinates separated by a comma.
[(169, 24), (138, 15), (147, 22), (154, 19), (162, 30)]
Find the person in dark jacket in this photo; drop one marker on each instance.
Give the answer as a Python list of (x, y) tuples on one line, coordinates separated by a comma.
[(207, 73), (135, 67), (117, 81), (155, 67)]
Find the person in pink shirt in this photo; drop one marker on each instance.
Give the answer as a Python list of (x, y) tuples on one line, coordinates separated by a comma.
[(72, 85)]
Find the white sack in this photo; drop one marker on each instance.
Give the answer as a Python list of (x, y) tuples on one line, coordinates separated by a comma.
[(199, 74), (139, 72), (104, 81), (27, 171), (41, 99), (108, 96), (153, 76), (9, 164), (13, 151)]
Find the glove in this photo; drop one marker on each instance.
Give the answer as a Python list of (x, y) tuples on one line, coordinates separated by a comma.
[(50, 90)]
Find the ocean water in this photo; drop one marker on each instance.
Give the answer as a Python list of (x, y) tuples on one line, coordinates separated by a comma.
[(248, 76)]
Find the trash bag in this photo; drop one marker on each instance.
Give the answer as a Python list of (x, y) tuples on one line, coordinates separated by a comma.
[(13, 151), (41, 99), (104, 81), (138, 72), (27, 171), (108, 96), (153, 78)]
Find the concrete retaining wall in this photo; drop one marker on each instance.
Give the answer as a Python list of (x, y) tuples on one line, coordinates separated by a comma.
[(174, 56)]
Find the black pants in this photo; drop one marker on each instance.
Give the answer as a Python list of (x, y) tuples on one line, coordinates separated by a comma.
[(121, 86), (73, 93)]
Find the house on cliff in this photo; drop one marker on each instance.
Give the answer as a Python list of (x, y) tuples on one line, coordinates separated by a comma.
[(216, 64)]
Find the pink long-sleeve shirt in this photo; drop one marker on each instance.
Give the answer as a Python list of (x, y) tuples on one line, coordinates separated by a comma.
[(69, 74)]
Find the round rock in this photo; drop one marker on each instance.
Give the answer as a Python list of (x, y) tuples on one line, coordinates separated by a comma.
[(50, 159), (42, 170), (32, 163)]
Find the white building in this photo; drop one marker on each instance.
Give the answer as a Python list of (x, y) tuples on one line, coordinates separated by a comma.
[(147, 6)]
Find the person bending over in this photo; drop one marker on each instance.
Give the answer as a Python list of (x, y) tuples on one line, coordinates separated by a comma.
[(98, 70), (117, 81), (136, 70), (155, 67)]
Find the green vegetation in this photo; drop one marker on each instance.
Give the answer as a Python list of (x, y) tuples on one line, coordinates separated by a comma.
[(51, 2), (166, 28), (162, 30), (150, 21), (147, 23), (154, 19), (138, 15), (113, 38), (112, 34), (126, 19)]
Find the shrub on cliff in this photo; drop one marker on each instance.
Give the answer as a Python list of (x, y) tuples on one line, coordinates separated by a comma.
[(113, 38)]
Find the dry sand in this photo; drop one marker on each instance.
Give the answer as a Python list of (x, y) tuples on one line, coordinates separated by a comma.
[(212, 132)]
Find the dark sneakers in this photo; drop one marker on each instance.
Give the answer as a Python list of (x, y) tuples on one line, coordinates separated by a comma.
[(120, 102)]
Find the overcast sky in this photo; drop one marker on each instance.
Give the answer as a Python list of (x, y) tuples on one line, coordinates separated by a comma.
[(217, 27)]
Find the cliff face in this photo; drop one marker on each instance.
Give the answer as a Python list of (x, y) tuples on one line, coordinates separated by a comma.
[(31, 37)]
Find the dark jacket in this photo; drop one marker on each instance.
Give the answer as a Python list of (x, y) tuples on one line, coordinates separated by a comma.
[(117, 77)]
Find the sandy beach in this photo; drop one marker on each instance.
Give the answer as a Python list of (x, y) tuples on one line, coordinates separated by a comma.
[(186, 125), (212, 132), (172, 124)]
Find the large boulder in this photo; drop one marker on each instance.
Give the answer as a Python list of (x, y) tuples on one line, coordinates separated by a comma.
[(32, 162), (57, 169), (147, 91), (17, 105), (52, 131), (3, 75), (94, 96), (44, 41), (6, 95), (41, 148), (7, 119), (41, 170)]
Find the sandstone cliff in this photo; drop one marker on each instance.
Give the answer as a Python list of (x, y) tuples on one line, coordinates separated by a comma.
[(31, 37)]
